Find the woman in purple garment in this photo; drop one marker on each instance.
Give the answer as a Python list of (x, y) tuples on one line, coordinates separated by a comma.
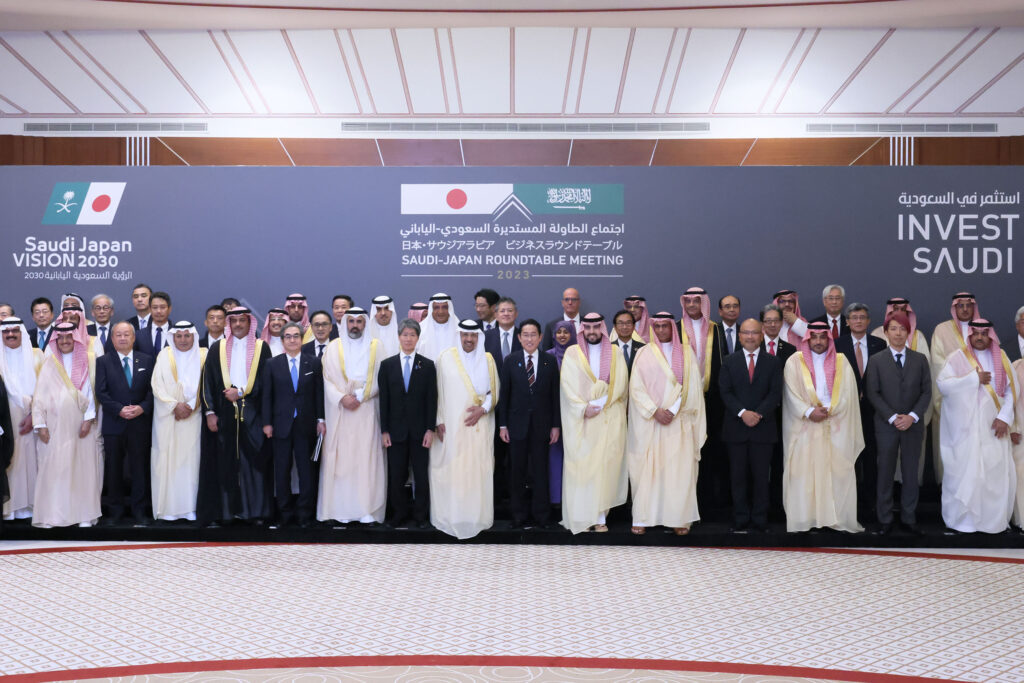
[(564, 336)]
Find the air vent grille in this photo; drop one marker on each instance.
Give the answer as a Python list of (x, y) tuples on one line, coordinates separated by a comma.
[(111, 127), (902, 128), (470, 127)]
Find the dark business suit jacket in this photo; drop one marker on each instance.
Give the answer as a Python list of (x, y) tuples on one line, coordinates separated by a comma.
[(716, 355), (407, 415), (519, 405), (134, 320), (310, 347), (144, 339), (894, 390), (783, 352), (735, 338), (844, 345), (113, 393), (492, 343), (843, 327), (281, 400), (34, 336), (334, 332), (92, 330), (763, 395), (634, 346), (204, 341), (1012, 348)]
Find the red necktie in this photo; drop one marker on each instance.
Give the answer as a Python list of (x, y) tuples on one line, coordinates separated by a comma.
[(750, 366), (835, 330), (771, 347)]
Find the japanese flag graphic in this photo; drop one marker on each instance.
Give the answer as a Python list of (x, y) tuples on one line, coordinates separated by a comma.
[(471, 198), (100, 203)]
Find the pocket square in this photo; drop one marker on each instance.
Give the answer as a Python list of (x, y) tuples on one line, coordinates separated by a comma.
[(140, 369), (308, 373)]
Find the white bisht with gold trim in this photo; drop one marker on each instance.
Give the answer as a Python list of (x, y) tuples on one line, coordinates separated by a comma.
[(819, 484), (353, 477), (663, 459), (175, 452), (70, 474), (21, 473), (979, 480), (594, 469), (1018, 450), (462, 466)]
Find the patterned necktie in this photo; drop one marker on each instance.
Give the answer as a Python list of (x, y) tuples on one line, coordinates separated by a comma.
[(158, 341), (530, 377), (835, 330), (771, 347), (506, 347), (127, 371), (143, 323), (103, 335), (407, 371), (860, 359), (750, 367), (899, 359), (728, 338)]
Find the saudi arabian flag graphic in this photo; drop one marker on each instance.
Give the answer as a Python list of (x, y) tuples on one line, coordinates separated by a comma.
[(496, 198), (83, 203)]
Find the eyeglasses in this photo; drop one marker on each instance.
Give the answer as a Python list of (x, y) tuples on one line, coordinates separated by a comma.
[(97, 307), (291, 336)]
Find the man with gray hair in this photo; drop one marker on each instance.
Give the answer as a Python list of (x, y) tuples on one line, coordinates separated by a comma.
[(102, 307), (834, 298), (1016, 351), (407, 383)]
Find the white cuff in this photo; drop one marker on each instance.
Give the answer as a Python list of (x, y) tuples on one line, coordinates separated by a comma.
[(809, 411), (674, 408), (914, 415)]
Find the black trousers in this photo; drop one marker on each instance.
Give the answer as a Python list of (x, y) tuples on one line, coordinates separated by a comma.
[(907, 445), (866, 467), (130, 448), (750, 461), (528, 461), (296, 448), (401, 455)]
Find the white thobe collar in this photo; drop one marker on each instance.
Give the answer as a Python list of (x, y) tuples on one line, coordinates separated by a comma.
[(594, 356), (820, 380), (238, 371), (666, 350), (276, 346), (67, 358)]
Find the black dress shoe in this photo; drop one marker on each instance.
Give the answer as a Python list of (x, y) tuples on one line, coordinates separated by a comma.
[(140, 521), (761, 528), (517, 524), (885, 529), (738, 529), (110, 521), (424, 524), (913, 529)]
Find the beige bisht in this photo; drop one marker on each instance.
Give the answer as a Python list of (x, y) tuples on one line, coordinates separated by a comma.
[(948, 338), (663, 458), (462, 465), (70, 473), (19, 368), (1018, 450), (819, 485), (353, 478), (175, 451), (594, 469)]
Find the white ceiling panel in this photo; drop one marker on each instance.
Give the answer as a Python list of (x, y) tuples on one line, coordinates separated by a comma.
[(136, 67), (20, 85), (195, 57), (672, 64), (758, 61), (707, 54), (1006, 94), (602, 73), (901, 62), (380, 64), (542, 65), (451, 87), (321, 61), (572, 93), (421, 61), (980, 68), (61, 71), (644, 72), (6, 108), (833, 57), (267, 59), (482, 64)]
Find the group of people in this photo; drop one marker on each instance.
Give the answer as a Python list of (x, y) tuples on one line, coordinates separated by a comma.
[(352, 416)]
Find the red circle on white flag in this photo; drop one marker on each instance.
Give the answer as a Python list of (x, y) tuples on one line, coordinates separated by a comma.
[(456, 198), (101, 203)]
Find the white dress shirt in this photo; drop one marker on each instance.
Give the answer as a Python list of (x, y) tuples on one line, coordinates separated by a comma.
[(239, 373), (902, 360)]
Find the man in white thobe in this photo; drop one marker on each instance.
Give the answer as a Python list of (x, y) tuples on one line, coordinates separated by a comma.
[(383, 325), (440, 327), (979, 480), (19, 367), (353, 476), (462, 455)]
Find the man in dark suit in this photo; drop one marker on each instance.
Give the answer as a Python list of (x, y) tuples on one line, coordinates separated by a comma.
[(293, 417), (834, 298), (485, 301), (503, 339), (751, 386), (774, 345), (407, 386), (103, 313), (123, 389), (339, 304), (1015, 349), (570, 311), (899, 387), (858, 346), (729, 312), (152, 339), (624, 325), (141, 294), (42, 314), (321, 324), (216, 321), (529, 420)]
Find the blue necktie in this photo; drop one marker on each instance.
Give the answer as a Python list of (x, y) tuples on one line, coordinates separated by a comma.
[(158, 342), (406, 371), (103, 335), (295, 381), (42, 339), (127, 371)]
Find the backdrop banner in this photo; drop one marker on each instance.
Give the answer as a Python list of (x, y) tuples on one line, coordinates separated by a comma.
[(258, 234)]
